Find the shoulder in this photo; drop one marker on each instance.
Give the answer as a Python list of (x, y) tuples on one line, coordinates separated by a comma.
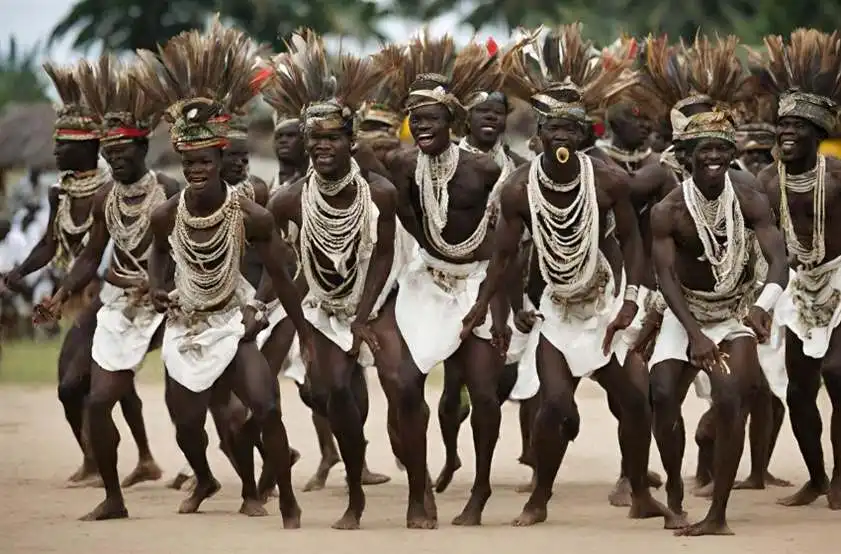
[(258, 220), (514, 188), (663, 212), (171, 186), (767, 174), (286, 196), (482, 163), (610, 177), (400, 160), (382, 190), (162, 215)]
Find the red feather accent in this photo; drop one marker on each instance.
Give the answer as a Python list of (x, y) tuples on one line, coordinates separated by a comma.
[(492, 46), (598, 129), (632, 53), (260, 79)]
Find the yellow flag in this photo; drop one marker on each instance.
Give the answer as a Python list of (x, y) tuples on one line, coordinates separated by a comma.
[(405, 134)]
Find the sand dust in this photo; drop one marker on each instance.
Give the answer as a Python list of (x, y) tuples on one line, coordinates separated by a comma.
[(38, 515)]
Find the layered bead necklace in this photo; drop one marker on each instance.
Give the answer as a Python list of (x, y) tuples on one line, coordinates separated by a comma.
[(128, 236), (433, 175), (813, 181), (716, 219), (566, 239), (74, 186), (338, 234), (207, 272)]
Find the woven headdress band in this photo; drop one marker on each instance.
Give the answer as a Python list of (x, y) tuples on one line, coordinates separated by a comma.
[(710, 125), (819, 110)]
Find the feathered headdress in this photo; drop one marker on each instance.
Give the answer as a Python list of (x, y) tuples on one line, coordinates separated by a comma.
[(806, 74), (755, 112), (565, 76), (75, 120), (205, 79), (324, 94), (477, 75), (385, 106), (127, 112), (425, 74)]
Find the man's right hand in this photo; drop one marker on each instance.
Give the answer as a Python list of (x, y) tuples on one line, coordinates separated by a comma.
[(475, 317), (703, 352)]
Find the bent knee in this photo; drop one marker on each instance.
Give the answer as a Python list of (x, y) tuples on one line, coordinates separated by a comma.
[(73, 391)]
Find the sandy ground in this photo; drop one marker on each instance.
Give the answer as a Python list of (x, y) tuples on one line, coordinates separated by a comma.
[(38, 515)]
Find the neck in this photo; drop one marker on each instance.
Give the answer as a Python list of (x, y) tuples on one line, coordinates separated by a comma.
[(290, 166), (140, 171), (619, 143), (802, 165), (558, 172), (712, 189), (483, 146), (84, 165), (206, 200)]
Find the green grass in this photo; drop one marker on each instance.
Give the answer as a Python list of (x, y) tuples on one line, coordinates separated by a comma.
[(29, 362)]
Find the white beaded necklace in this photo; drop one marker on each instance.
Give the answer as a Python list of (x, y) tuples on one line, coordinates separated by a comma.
[(72, 187), (433, 175), (128, 236), (566, 240), (207, 272), (716, 219), (815, 181), (337, 234)]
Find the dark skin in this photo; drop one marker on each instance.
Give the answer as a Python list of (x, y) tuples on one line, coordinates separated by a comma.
[(630, 132), (128, 165), (557, 406), (290, 152), (757, 160), (332, 372), (248, 376), (74, 357), (485, 125), (798, 140), (677, 251), (478, 362), (382, 144)]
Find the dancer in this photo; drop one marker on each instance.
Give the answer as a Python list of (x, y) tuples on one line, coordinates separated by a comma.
[(77, 134), (346, 218), (204, 229), (801, 186), (581, 303)]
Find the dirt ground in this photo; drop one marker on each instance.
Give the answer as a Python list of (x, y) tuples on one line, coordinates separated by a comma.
[(38, 514)]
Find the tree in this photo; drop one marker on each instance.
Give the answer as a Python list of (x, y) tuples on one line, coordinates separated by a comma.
[(20, 79), (125, 25)]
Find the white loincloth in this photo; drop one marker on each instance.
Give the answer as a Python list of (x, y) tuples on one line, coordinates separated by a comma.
[(528, 383), (797, 308), (123, 332), (673, 344), (274, 315), (197, 350), (432, 299), (578, 340)]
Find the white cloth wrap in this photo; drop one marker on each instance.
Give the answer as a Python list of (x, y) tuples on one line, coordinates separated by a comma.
[(198, 349), (812, 315), (293, 366), (432, 299), (123, 332), (274, 314), (528, 383), (579, 340)]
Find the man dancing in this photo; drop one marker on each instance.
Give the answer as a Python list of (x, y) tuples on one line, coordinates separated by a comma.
[(127, 324), (802, 186), (563, 200), (346, 217), (77, 134), (205, 229), (702, 239)]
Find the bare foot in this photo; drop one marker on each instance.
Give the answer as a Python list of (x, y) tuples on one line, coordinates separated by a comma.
[(319, 480), (252, 507), (146, 470), (190, 484), (371, 478), (418, 517), (530, 516), (620, 496), (446, 475), (108, 509), (85, 471), (807, 494), (704, 492), (291, 517), (654, 480), (200, 493), (93, 481), (773, 481), (177, 482), (833, 495), (349, 521), (752, 483), (704, 527), (647, 507)]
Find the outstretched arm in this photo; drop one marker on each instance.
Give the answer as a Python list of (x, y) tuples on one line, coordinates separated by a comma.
[(43, 252), (628, 231)]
